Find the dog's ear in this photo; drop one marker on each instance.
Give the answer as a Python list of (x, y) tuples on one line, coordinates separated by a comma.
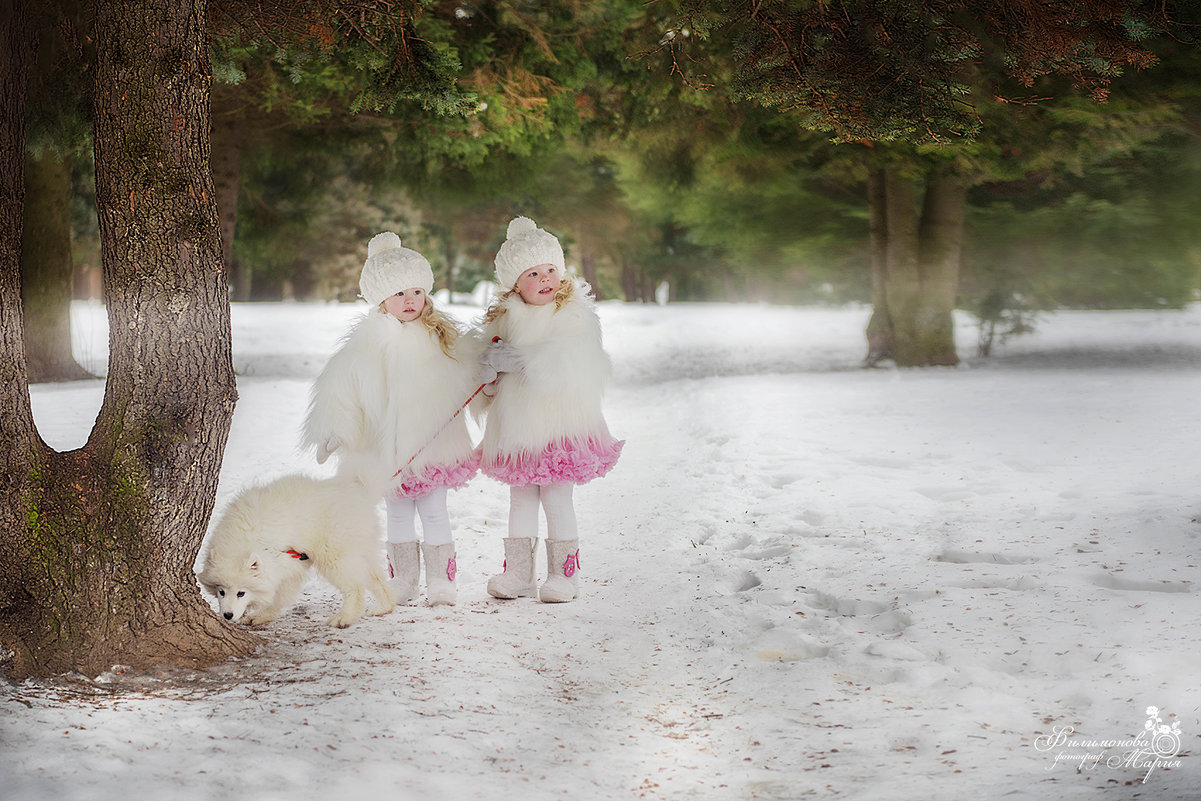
[(207, 582), (253, 567)]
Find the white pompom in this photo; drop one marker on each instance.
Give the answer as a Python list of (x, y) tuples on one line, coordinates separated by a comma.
[(381, 242), (520, 225)]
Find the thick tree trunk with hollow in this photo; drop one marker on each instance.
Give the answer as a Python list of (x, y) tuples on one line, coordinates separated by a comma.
[(98, 545)]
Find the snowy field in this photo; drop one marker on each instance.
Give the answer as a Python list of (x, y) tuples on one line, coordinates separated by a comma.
[(803, 580)]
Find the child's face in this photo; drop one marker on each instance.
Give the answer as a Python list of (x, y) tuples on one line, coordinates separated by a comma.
[(537, 285), (406, 304)]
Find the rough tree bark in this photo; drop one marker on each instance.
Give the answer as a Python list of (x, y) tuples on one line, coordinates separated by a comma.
[(916, 231), (97, 545), (46, 270), (16, 416)]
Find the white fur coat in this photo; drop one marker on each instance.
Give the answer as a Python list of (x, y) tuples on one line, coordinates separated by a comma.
[(557, 395), (385, 392)]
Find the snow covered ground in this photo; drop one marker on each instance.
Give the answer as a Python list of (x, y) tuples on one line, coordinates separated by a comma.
[(804, 579)]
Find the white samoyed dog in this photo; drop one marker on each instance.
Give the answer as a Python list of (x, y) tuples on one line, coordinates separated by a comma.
[(261, 550)]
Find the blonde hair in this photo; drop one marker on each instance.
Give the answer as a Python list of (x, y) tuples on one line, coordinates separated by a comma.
[(440, 324), (497, 310)]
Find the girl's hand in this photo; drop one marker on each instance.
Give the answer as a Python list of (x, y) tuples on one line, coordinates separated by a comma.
[(499, 357)]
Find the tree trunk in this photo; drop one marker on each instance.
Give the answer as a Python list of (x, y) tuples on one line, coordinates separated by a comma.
[(631, 285), (941, 248), (228, 141), (16, 416), (46, 280), (880, 342), (646, 287), (588, 266), (98, 569), (917, 234), (902, 285)]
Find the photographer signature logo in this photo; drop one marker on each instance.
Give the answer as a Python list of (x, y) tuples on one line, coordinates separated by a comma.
[(1156, 746)]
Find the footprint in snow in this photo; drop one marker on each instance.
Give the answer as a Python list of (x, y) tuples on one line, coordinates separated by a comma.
[(781, 645), (948, 494), (878, 617), (847, 607), (895, 650), (891, 622), (812, 517), (768, 552), (959, 557), (743, 541), (742, 580), (876, 461), (1112, 582), (753, 548), (782, 480)]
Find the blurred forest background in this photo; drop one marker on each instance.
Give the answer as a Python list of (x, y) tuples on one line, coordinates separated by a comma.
[(667, 147)]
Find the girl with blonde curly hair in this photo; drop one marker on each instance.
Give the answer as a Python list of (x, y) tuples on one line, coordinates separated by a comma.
[(544, 430)]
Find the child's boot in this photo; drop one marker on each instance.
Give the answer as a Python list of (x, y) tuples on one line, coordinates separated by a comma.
[(440, 570), (562, 569), (404, 568), (517, 580)]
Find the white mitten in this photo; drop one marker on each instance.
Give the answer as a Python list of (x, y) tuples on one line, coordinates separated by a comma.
[(499, 357)]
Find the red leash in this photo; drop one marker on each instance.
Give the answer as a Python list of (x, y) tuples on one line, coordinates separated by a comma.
[(438, 433)]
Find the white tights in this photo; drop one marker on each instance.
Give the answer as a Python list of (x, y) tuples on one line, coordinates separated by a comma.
[(435, 520), (556, 503)]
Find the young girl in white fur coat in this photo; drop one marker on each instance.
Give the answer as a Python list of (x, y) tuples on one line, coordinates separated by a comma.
[(394, 381), (544, 428)]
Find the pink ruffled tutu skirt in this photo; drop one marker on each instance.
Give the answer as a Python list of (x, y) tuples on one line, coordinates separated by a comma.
[(438, 475), (564, 462)]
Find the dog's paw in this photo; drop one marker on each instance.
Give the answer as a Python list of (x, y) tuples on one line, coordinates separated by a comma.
[(342, 620), (258, 620)]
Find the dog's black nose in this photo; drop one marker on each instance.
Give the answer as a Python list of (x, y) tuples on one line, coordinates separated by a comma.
[(229, 615)]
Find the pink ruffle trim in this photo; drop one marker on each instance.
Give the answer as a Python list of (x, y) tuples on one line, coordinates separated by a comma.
[(564, 462), (439, 475)]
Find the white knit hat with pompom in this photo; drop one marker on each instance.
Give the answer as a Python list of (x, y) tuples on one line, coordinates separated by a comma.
[(526, 245), (391, 268)]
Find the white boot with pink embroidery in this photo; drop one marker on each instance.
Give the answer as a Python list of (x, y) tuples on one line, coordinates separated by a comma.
[(517, 580), (562, 572), (404, 569), (440, 571)]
